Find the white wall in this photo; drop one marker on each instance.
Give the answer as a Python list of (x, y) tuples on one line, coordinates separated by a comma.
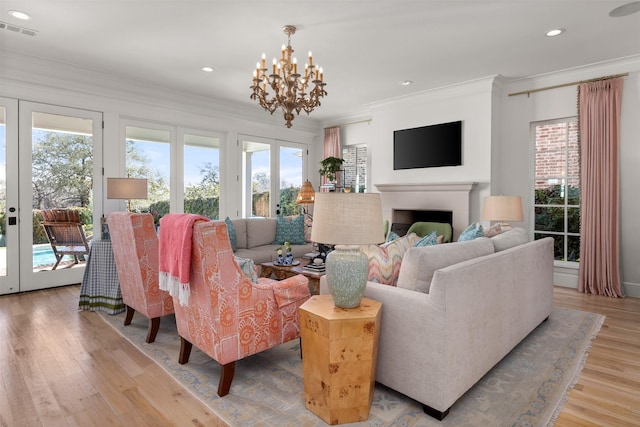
[(498, 146), (469, 102)]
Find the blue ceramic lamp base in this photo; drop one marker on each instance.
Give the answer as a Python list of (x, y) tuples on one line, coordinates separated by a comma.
[(347, 273)]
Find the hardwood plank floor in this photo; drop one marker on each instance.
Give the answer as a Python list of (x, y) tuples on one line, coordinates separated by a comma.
[(63, 367)]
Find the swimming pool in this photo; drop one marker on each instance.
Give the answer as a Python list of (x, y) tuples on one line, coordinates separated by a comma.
[(43, 255)]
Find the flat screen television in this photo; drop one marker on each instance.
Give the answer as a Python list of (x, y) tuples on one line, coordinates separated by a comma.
[(428, 146)]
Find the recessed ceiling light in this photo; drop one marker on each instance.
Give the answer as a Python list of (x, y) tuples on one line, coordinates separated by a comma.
[(405, 82), (19, 15), (625, 9), (207, 69), (555, 32)]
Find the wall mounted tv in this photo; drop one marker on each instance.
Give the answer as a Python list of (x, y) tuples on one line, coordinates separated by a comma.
[(428, 146)]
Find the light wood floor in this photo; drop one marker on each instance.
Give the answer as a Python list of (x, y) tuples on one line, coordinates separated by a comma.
[(61, 367)]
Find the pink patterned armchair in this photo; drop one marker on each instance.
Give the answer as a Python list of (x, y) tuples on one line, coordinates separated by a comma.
[(228, 316), (135, 249)]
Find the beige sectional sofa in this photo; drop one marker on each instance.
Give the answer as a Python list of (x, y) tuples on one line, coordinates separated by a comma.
[(254, 239), (457, 310)]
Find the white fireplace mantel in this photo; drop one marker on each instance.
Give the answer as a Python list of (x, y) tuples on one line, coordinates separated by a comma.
[(452, 197)]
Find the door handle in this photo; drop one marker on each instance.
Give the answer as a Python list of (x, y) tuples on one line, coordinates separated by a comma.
[(12, 219)]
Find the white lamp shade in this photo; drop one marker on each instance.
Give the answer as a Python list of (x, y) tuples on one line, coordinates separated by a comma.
[(347, 219), (502, 208), (126, 188)]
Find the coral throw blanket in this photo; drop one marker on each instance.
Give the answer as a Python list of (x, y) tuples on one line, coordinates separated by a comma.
[(175, 253)]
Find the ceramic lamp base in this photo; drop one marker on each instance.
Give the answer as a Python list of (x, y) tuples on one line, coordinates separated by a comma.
[(347, 273)]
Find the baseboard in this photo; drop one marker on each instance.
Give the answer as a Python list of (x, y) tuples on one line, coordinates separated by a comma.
[(569, 279), (631, 289), (566, 279)]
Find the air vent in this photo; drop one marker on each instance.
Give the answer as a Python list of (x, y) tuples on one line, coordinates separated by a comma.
[(17, 29)]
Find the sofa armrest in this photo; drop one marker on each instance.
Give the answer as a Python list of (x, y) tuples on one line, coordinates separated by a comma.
[(411, 337)]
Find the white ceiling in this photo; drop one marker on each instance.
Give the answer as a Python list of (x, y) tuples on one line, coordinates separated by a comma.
[(365, 47)]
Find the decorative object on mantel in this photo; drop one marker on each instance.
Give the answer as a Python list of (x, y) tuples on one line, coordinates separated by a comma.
[(502, 209), (290, 88), (347, 220)]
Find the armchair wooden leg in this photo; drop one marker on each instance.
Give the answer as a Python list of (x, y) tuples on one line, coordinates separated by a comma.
[(185, 351), (129, 316), (154, 326), (226, 376)]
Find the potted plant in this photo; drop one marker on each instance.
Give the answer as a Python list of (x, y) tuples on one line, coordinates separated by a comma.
[(329, 167)]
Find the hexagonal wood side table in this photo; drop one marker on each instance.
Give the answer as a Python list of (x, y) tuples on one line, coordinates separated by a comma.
[(339, 355)]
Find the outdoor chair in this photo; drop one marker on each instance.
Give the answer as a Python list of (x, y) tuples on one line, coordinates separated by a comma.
[(65, 233)]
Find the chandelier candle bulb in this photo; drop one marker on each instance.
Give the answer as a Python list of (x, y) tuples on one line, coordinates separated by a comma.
[(310, 58), (264, 59)]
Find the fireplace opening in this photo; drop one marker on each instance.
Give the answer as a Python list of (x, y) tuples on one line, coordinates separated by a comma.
[(402, 219)]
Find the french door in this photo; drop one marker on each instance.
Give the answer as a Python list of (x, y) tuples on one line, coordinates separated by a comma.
[(271, 167), (9, 260), (53, 160)]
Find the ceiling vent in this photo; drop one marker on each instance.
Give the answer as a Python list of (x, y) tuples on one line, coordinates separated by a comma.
[(17, 29)]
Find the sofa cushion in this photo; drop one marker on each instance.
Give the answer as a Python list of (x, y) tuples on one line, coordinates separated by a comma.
[(508, 239), (260, 231), (428, 240), (385, 259), (290, 229), (471, 232), (231, 231), (419, 264), (240, 226)]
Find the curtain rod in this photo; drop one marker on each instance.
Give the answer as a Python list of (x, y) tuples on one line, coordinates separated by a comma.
[(350, 123), (529, 92)]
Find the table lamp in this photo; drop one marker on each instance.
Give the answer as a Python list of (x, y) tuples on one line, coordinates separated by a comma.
[(347, 220), (502, 209), (126, 189)]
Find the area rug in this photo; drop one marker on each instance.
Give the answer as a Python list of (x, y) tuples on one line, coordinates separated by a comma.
[(527, 388)]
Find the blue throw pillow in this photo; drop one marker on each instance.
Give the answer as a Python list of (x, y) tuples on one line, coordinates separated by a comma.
[(231, 231), (472, 232), (428, 240), (392, 236), (291, 231)]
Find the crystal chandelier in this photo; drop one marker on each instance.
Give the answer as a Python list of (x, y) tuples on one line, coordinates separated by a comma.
[(291, 91)]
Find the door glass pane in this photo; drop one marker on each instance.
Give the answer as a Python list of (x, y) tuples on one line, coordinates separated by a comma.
[(202, 175), (148, 156), (62, 178), (3, 192), (290, 180), (257, 178)]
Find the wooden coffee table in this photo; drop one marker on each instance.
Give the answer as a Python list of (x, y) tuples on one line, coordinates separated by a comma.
[(268, 269)]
